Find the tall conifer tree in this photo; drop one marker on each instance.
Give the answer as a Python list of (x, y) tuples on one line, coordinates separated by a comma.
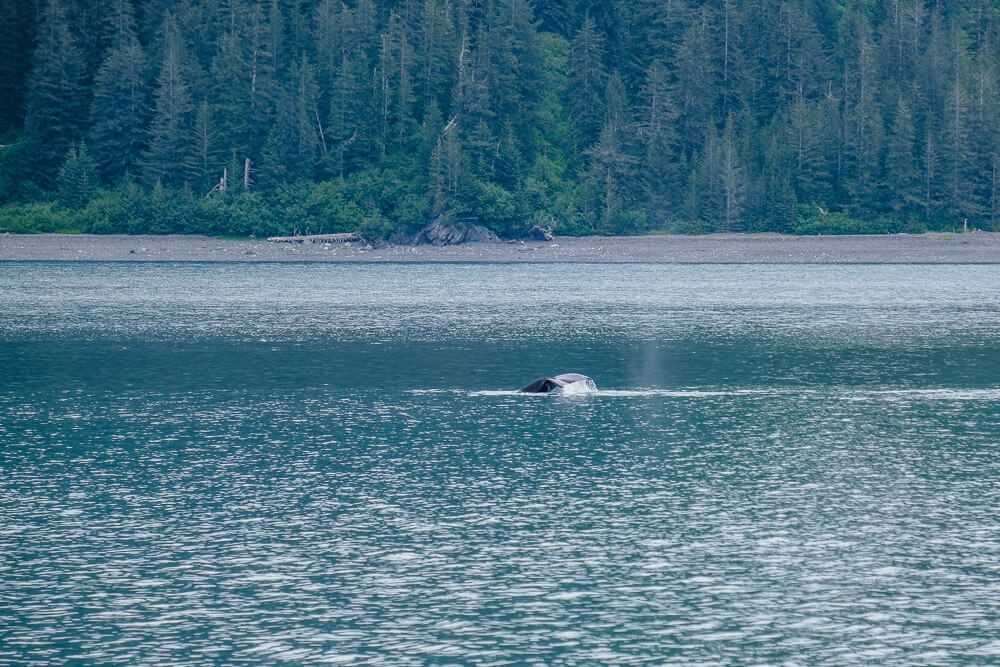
[(120, 108), (57, 94), (587, 84), (169, 154)]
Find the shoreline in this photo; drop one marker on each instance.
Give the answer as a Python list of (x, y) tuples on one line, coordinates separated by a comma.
[(931, 248)]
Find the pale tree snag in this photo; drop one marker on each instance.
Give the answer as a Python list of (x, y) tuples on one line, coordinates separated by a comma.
[(322, 136), (222, 185)]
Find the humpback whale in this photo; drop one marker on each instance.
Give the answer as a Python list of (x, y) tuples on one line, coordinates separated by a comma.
[(558, 383)]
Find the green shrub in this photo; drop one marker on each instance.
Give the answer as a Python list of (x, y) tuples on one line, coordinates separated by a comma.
[(686, 226), (105, 214), (374, 226), (493, 206), (315, 208), (38, 217), (813, 220)]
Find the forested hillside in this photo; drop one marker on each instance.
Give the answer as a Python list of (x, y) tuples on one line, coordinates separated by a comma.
[(615, 116)]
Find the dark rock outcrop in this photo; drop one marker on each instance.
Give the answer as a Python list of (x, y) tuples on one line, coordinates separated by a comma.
[(442, 231)]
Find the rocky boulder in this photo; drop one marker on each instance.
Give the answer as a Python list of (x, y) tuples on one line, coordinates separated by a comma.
[(442, 232)]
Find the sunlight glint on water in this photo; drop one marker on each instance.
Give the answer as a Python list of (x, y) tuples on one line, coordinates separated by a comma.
[(266, 463)]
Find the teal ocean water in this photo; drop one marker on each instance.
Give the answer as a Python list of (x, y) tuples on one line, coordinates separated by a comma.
[(304, 464)]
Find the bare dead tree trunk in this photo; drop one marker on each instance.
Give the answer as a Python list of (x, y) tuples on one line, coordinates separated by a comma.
[(222, 185), (384, 98), (322, 136)]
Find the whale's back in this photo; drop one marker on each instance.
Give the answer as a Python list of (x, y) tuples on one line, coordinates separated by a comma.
[(549, 384)]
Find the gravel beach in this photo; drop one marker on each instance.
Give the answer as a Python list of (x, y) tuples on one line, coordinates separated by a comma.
[(972, 248)]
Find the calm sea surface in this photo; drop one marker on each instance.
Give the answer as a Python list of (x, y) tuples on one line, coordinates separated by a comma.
[(263, 463)]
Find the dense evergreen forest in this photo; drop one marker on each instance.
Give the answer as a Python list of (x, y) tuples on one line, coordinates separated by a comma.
[(586, 116)]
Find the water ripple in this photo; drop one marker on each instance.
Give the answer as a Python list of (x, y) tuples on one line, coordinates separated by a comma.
[(801, 475)]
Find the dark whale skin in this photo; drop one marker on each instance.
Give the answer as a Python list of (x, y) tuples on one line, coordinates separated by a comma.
[(548, 384)]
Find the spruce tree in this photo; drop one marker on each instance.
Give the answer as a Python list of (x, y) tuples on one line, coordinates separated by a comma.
[(275, 44), (732, 179), (77, 177), (401, 73), (281, 148), (587, 83), (310, 144), (902, 174), (168, 157), (811, 142), (704, 200), (264, 67), (776, 205), (351, 116), (328, 40), (985, 93), (956, 152), (120, 108), (205, 162), (11, 68), (929, 170), (430, 132), (296, 143), (654, 28), (732, 68), (57, 96), (448, 175), (609, 164), (695, 82), (657, 131), (510, 168), (231, 94), (556, 16), (118, 23), (863, 119)]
